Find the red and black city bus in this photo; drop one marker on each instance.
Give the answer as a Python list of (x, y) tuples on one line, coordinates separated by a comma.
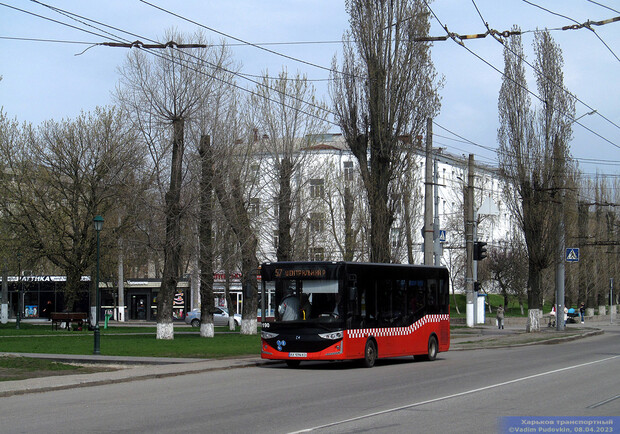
[(347, 310)]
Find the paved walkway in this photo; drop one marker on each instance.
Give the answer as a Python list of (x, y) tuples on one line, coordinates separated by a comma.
[(138, 368)]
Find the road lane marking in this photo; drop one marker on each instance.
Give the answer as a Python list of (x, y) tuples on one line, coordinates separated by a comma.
[(598, 404), (455, 395)]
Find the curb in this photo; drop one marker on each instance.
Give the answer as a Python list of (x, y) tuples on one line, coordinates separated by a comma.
[(22, 387), (548, 341)]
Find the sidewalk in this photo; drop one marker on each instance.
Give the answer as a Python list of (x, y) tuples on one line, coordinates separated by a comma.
[(140, 368), (489, 336)]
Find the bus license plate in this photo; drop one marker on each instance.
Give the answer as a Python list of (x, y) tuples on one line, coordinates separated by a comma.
[(298, 354)]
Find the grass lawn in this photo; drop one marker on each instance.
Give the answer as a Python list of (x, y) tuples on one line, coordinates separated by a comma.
[(20, 368), (127, 341)]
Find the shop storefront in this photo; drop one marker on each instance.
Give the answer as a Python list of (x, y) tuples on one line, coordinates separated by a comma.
[(40, 295)]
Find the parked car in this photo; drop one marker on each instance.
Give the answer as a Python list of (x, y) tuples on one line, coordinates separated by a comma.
[(220, 317)]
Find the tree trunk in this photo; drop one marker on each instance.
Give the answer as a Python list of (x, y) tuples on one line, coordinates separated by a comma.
[(380, 216), (172, 247), (235, 212), (349, 232), (206, 241), (284, 248), (72, 289)]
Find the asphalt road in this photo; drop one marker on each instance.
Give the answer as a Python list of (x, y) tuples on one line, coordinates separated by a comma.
[(462, 391)]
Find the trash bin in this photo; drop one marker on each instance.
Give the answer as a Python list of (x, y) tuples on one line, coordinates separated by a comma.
[(108, 315)]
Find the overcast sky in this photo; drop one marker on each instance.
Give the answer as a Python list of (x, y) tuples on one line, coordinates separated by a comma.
[(48, 80)]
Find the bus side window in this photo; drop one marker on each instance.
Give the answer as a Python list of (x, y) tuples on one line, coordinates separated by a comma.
[(415, 301), (369, 310), (431, 299), (384, 298), (444, 296)]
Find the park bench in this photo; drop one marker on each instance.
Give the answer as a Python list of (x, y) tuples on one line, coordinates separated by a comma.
[(68, 317)]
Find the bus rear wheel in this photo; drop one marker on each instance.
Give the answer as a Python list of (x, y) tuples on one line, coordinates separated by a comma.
[(432, 348), (370, 354)]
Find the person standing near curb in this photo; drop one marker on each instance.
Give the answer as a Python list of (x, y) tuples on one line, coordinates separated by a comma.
[(582, 312), (500, 317)]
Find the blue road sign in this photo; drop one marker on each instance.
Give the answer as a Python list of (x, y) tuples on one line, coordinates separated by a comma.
[(572, 254), (442, 236)]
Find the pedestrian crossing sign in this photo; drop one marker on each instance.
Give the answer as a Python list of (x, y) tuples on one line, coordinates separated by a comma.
[(572, 254)]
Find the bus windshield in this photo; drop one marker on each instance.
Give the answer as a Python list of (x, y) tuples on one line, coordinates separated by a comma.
[(307, 300)]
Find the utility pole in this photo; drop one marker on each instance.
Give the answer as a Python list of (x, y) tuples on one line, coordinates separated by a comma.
[(469, 243), (428, 196), (436, 244), (559, 265), (4, 310), (121, 282)]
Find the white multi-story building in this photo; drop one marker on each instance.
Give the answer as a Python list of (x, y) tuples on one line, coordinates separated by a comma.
[(326, 169)]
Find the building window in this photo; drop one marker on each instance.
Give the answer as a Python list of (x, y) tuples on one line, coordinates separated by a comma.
[(254, 169), (254, 207), (317, 222), (317, 254), (397, 202), (276, 209), (395, 236), (317, 188), (348, 170)]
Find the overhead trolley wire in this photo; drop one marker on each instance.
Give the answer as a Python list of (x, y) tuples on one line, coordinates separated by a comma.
[(454, 37), (173, 45), (604, 6), (314, 65), (588, 25)]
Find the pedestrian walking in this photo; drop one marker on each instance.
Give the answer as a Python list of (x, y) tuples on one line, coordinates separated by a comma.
[(500, 317), (582, 312)]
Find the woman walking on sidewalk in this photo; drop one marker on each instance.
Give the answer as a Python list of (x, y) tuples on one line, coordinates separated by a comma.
[(500, 317)]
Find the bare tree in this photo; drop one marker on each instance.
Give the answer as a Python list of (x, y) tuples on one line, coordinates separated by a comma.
[(291, 118), (531, 146), (386, 89), (162, 94), (507, 265), (230, 193), (58, 177)]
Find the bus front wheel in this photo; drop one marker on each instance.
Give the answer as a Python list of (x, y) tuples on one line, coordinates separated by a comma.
[(370, 354)]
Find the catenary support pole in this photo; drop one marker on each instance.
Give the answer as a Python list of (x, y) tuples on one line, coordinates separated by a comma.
[(428, 196), (469, 243), (436, 243)]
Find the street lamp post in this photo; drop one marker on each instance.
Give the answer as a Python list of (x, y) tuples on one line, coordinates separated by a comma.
[(20, 284), (98, 221)]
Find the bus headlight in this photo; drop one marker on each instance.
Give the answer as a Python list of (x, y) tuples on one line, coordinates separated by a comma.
[(331, 335), (267, 335)]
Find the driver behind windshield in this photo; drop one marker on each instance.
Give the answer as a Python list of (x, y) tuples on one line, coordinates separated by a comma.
[(289, 308)]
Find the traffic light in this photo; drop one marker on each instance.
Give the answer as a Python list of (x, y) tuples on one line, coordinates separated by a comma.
[(480, 251)]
